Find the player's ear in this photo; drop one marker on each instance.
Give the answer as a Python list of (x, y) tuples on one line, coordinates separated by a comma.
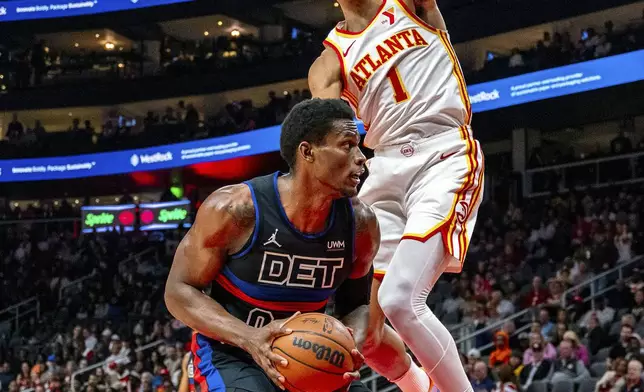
[(306, 151)]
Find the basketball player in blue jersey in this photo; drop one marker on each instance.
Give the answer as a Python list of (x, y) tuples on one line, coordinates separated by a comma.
[(274, 246)]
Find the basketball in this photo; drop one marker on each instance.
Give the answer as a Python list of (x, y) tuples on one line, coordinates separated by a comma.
[(318, 353)]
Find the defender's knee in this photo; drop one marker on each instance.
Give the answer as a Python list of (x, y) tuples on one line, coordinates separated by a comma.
[(394, 298)]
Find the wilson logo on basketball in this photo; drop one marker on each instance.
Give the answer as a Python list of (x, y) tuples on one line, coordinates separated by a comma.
[(322, 352)]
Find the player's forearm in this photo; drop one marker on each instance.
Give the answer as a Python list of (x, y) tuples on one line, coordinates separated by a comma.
[(358, 321), (204, 315), (431, 15)]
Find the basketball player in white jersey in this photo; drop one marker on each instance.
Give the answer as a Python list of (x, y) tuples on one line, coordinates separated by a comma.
[(392, 60)]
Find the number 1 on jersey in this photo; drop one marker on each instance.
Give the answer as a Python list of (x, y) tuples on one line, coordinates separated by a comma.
[(400, 93)]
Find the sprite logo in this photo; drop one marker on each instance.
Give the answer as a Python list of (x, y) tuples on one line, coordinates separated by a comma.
[(177, 214), (104, 218)]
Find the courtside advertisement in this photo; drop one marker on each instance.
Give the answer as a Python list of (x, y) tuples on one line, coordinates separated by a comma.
[(41, 9), (164, 215), (108, 218), (536, 86)]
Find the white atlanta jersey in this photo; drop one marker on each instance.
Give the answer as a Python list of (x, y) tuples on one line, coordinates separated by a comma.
[(401, 76)]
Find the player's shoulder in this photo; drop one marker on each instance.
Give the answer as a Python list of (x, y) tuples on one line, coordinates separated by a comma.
[(232, 204), (365, 217), (326, 61)]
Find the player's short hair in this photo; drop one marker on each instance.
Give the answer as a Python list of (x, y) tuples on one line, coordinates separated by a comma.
[(310, 121)]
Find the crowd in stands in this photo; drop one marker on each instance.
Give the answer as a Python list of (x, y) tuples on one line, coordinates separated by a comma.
[(564, 339), (562, 48), (117, 309), (622, 143), (38, 64), (182, 122)]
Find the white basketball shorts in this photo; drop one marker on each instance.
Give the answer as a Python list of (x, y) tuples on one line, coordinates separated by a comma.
[(423, 188)]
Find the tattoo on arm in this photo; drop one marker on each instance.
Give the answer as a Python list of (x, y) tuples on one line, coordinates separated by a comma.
[(243, 214)]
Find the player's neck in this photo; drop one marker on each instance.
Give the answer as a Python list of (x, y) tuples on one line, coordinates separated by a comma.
[(359, 13), (307, 207)]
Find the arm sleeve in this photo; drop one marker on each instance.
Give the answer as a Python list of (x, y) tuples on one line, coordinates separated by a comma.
[(352, 294)]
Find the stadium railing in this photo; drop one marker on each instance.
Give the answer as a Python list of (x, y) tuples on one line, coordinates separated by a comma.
[(15, 312), (76, 286), (38, 221), (465, 343), (598, 173), (146, 347)]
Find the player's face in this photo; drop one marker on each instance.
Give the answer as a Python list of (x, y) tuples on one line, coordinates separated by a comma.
[(339, 161)]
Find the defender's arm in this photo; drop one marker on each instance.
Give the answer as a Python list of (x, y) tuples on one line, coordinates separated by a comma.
[(325, 76), (428, 11)]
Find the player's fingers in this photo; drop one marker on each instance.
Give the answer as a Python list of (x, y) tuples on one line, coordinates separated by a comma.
[(351, 376), (273, 374), (277, 359), (358, 358), (277, 378), (280, 330)]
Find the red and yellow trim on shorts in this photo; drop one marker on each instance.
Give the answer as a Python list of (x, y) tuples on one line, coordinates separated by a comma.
[(456, 70), (379, 274), (448, 225)]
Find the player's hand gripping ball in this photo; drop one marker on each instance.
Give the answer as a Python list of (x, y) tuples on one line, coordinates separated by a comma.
[(318, 352)]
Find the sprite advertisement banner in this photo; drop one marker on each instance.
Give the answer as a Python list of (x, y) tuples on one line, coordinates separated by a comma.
[(164, 215), (107, 218)]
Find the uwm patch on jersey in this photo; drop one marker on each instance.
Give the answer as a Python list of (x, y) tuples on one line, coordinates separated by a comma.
[(401, 76)]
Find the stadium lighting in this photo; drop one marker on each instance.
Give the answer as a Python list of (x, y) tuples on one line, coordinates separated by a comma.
[(336, 4), (109, 46), (97, 36), (220, 23), (76, 44), (206, 33), (235, 33)]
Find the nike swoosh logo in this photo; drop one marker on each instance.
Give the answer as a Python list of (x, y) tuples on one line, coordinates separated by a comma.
[(346, 52), (445, 156)]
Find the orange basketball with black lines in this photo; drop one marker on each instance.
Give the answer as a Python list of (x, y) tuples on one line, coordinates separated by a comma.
[(318, 353)]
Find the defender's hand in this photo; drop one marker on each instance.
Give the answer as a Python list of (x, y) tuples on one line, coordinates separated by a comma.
[(259, 347)]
